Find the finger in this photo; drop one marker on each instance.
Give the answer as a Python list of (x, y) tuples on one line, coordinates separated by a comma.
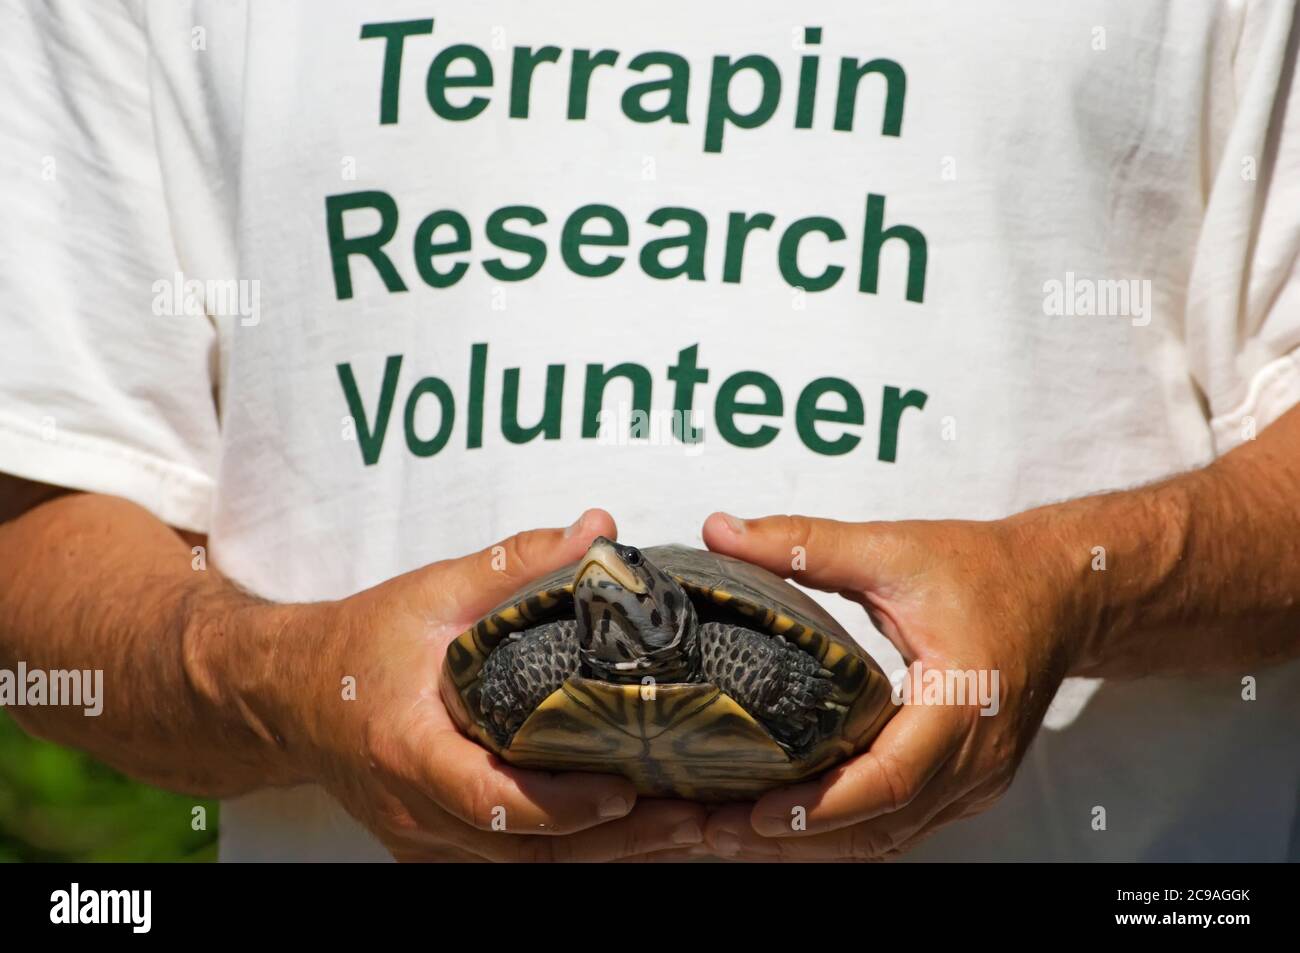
[(418, 853), (731, 835), (912, 748), (478, 583), (956, 811), (892, 843), (483, 791), (676, 855), (824, 554), (655, 826)]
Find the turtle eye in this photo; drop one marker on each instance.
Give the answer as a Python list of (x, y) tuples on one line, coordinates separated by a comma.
[(632, 557)]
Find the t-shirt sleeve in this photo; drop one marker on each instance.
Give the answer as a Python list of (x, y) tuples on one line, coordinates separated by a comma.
[(105, 385), (1243, 305)]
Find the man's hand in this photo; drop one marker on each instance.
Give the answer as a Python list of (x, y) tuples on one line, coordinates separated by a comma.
[(392, 755), (950, 596), (212, 691), (1196, 574)]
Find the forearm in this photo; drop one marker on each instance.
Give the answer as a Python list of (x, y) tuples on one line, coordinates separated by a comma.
[(90, 582), (1201, 572)]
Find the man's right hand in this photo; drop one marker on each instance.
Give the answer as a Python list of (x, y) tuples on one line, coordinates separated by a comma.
[(389, 751)]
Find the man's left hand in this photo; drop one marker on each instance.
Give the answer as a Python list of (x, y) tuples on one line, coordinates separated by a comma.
[(950, 595)]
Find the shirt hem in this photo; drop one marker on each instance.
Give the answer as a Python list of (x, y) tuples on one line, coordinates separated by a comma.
[(1273, 391), (178, 495)]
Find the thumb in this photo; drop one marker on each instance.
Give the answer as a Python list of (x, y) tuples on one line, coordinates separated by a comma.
[(821, 553), (473, 585)]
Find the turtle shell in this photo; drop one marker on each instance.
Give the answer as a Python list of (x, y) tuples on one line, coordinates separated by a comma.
[(677, 740)]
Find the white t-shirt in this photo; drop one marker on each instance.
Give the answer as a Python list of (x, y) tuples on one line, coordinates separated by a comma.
[(886, 260)]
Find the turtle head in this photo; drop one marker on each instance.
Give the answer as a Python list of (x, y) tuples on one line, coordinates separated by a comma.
[(633, 618)]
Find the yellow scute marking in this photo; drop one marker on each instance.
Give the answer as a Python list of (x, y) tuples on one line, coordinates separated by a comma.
[(592, 722)]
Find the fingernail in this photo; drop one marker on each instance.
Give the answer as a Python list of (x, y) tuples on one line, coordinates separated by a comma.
[(688, 832), (771, 825), (614, 807), (726, 843), (734, 523), (576, 525)]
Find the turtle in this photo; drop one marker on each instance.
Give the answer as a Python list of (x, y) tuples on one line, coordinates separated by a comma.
[(692, 673)]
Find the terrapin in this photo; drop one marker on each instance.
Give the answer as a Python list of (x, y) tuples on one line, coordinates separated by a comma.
[(694, 674)]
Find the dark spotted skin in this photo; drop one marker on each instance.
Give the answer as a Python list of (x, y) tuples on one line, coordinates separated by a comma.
[(523, 670), (778, 683), (781, 685)]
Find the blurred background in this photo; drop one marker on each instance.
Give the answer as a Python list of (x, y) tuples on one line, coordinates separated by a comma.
[(58, 804)]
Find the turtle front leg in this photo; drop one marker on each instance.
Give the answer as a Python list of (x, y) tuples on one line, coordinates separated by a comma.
[(523, 671), (778, 683)]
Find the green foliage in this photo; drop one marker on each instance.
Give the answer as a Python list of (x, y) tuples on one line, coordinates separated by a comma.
[(58, 804)]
